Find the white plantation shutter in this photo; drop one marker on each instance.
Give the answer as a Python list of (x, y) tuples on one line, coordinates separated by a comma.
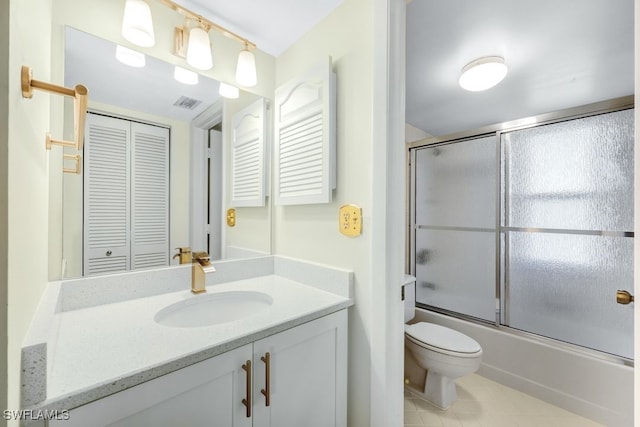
[(305, 109), (150, 196), (106, 195), (248, 155), (126, 195)]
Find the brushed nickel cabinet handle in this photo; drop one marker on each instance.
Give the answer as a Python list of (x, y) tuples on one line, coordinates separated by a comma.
[(247, 402), (266, 391)]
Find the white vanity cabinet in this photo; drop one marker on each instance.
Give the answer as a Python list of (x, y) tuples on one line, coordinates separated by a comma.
[(208, 393), (308, 375), (306, 385)]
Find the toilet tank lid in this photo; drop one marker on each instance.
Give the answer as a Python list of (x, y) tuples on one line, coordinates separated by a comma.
[(443, 337)]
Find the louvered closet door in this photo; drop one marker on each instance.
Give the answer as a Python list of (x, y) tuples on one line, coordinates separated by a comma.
[(106, 195), (150, 196)]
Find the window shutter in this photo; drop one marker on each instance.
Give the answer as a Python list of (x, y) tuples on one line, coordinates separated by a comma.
[(150, 196), (305, 109), (248, 155), (106, 195)]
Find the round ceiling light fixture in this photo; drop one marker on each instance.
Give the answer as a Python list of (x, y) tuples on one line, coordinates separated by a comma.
[(483, 73)]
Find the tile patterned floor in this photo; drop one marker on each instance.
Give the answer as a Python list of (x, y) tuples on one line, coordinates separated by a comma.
[(485, 403)]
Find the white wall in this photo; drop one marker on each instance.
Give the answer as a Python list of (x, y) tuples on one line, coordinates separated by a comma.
[(4, 164), (366, 42), (28, 173)]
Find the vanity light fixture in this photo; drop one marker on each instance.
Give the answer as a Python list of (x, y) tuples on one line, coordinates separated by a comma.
[(228, 91), (185, 76), (137, 26), (483, 73), (130, 57), (246, 68), (192, 44)]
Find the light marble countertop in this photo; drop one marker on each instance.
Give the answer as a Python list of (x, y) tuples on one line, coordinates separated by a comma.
[(98, 350)]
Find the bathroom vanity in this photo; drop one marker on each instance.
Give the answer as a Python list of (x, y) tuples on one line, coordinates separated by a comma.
[(160, 358)]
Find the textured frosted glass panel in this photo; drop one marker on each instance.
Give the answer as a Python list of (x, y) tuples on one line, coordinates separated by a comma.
[(457, 184), (572, 175), (455, 270), (564, 287)]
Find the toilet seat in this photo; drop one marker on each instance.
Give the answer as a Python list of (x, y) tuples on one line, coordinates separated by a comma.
[(442, 340)]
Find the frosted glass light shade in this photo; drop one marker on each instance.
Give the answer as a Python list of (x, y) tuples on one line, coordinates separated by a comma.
[(185, 76), (199, 49), (483, 73), (137, 25), (228, 91), (246, 69), (130, 57)]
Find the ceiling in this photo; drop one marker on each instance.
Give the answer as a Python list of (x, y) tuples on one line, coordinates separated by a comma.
[(560, 53), (272, 25)]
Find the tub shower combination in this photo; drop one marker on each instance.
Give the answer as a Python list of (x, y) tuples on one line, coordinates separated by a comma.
[(528, 226)]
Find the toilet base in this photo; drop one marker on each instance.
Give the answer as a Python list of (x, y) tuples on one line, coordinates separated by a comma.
[(440, 390)]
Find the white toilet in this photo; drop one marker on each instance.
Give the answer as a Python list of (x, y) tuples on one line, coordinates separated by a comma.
[(444, 353)]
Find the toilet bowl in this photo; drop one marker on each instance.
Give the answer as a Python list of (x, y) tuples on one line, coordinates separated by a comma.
[(445, 354)]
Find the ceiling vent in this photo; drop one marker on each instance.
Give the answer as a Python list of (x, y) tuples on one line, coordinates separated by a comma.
[(186, 102)]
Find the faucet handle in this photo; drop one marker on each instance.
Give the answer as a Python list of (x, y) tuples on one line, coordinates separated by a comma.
[(184, 254), (201, 257)]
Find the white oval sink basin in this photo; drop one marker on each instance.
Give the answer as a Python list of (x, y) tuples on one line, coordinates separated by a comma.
[(213, 309)]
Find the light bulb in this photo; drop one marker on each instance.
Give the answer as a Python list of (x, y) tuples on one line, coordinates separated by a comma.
[(185, 76), (199, 49), (228, 91), (137, 25), (246, 69)]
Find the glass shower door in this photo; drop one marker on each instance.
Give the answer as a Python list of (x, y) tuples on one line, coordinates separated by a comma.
[(455, 227), (567, 230)]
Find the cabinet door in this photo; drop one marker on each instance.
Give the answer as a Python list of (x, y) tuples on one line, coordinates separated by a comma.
[(308, 375), (208, 393)]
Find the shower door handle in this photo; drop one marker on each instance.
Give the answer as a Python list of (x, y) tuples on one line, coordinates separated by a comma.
[(624, 297)]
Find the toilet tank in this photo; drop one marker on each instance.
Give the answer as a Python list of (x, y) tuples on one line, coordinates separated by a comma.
[(409, 286)]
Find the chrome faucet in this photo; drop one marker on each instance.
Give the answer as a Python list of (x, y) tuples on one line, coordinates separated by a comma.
[(200, 266)]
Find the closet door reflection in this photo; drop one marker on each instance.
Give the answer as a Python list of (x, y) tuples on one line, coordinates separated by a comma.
[(568, 224), (455, 227)]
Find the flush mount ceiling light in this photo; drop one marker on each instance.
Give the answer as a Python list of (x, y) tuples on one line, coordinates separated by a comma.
[(483, 73), (137, 26), (130, 57), (228, 91), (185, 76)]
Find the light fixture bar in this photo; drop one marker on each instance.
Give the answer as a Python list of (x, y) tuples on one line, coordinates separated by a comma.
[(204, 22)]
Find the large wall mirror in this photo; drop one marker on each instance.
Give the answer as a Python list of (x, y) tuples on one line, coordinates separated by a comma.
[(156, 165)]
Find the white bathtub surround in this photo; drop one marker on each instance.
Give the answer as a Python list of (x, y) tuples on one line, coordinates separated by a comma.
[(581, 383), (101, 336)]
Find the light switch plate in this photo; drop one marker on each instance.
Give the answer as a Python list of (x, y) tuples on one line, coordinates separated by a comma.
[(350, 220)]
